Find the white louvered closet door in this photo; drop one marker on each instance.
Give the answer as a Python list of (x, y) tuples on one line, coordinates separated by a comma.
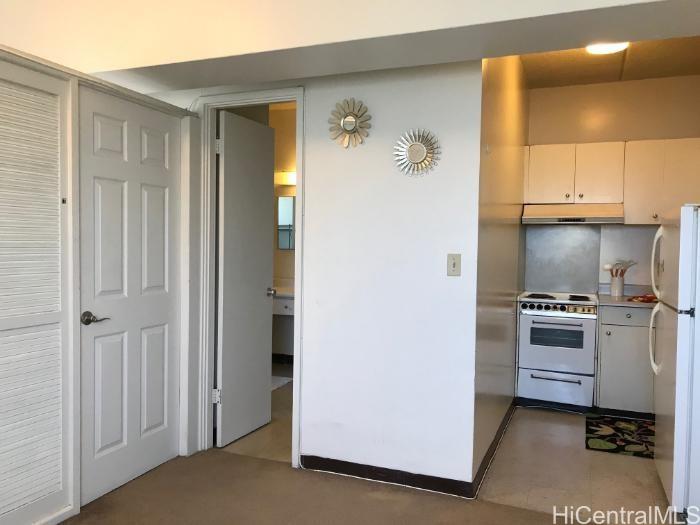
[(36, 369)]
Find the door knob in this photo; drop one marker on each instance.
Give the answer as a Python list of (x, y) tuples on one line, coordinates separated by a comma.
[(87, 318), (271, 292)]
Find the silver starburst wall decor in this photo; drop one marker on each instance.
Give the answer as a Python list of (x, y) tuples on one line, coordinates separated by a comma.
[(349, 123), (416, 152)]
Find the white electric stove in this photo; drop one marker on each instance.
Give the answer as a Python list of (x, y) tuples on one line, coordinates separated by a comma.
[(557, 336)]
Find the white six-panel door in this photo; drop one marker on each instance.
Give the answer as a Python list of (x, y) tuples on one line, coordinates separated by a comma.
[(129, 174)]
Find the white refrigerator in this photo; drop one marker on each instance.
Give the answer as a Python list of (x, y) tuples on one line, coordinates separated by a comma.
[(672, 355)]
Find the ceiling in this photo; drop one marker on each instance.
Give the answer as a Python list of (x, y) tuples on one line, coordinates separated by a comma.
[(646, 59), (108, 35), (638, 21)]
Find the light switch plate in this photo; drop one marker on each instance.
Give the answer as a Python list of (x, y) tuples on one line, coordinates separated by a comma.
[(454, 264)]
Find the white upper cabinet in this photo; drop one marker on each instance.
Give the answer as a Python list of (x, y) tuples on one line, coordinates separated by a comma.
[(551, 174), (599, 172), (644, 169), (653, 178), (660, 176), (681, 178)]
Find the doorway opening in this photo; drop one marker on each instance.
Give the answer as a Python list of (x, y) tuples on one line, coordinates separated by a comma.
[(256, 240)]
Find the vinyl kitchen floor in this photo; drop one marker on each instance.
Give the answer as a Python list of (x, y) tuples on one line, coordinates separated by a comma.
[(274, 440), (542, 462)]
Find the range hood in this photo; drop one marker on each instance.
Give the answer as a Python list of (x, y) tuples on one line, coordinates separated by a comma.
[(573, 214)]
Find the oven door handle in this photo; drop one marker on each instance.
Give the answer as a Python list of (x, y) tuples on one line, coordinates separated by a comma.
[(573, 381), (575, 325)]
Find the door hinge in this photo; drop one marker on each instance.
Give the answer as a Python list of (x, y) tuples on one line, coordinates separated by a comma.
[(216, 396), (217, 146)]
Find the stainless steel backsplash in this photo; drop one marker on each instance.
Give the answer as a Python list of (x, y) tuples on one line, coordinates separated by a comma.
[(562, 258)]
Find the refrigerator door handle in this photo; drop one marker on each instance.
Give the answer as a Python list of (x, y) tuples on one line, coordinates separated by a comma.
[(657, 238), (652, 361)]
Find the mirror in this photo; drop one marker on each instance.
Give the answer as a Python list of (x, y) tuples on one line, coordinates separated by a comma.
[(285, 223), (417, 152), (349, 123)]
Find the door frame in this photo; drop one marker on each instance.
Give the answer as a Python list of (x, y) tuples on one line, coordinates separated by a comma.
[(207, 106)]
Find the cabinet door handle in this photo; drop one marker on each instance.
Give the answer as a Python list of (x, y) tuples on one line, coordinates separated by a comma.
[(655, 216), (580, 195), (608, 332), (573, 381), (567, 195)]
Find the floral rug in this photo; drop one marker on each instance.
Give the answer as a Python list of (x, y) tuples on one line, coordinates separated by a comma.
[(631, 437)]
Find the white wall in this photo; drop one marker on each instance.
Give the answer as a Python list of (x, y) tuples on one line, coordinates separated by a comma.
[(504, 133), (388, 338), (660, 108), (107, 35)]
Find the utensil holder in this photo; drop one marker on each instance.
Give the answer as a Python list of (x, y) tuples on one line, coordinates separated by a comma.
[(617, 286)]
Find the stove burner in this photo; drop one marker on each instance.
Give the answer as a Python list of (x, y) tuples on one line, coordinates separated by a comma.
[(539, 296), (574, 297)]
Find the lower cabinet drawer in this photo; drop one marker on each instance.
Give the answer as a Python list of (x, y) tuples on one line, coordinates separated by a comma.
[(625, 315), (283, 306), (571, 389)]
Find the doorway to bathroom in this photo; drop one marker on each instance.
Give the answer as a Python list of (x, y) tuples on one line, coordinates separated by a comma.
[(255, 373)]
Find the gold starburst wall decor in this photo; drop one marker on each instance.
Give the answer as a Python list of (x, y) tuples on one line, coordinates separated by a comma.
[(349, 123), (416, 152)]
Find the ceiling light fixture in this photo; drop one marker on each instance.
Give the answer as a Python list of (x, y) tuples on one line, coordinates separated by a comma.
[(607, 48)]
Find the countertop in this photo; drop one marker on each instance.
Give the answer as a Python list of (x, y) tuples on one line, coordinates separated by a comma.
[(609, 300)]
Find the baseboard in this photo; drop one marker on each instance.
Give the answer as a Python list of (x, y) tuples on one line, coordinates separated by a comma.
[(283, 359), (538, 403), (527, 402), (491, 452), (387, 475), (624, 413), (454, 487)]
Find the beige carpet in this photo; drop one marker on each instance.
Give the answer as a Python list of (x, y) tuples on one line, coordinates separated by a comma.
[(217, 487)]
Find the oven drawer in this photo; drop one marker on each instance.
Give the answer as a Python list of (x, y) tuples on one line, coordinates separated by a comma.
[(558, 344), (558, 388)]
